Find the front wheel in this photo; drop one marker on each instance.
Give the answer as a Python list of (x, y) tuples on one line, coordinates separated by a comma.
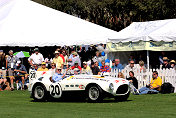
[(122, 97), (39, 93), (95, 94)]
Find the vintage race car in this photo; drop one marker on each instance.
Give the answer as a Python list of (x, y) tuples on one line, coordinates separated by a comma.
[(91, 87)]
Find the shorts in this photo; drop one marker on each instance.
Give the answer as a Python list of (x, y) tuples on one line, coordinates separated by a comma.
[(18, 77), (3, 74), (10, 72)]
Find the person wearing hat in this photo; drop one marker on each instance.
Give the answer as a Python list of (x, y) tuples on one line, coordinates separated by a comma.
[(86, 69), (19, 71), (70, 58), (10, 63), (58, 75), (36, 58), (75, 59), (58, 60), (172, 63), (166, 64), (43, 68), (76, 67)]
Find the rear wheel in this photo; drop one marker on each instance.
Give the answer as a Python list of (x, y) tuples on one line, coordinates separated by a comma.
[(95, 93), (122, 97), (39, 93)]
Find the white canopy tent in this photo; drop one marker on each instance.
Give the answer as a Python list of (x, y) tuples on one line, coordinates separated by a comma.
[(26, 23), (151, 36), (160, 30)]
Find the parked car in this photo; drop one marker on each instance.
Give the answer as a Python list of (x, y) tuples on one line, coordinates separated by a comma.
[(94, 88)]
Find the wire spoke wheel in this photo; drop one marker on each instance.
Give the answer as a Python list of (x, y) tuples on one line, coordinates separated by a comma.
[(94, 93), (39, 93)]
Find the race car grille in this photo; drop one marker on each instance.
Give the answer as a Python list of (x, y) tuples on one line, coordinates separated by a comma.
[(122, 89)]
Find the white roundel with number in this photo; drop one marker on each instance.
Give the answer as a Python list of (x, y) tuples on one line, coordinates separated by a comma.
[(55, 90)]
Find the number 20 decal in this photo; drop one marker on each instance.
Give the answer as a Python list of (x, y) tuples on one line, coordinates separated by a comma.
[(55, 91)]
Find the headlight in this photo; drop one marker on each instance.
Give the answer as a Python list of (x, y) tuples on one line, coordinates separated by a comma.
[(111, 86)]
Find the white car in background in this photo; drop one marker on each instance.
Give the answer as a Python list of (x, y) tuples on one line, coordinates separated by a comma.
[(94, 88)]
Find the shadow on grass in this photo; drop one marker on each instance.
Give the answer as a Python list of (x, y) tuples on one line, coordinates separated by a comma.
[(80, 101)]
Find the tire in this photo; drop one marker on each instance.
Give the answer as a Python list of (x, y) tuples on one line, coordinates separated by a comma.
[(39, 93), (122, 97), (95, 93)]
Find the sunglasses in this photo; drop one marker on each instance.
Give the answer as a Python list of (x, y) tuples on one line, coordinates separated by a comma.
[(52, 65), (131, 63)]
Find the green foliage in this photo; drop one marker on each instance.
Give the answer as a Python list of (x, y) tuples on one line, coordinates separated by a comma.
[(115, 14)]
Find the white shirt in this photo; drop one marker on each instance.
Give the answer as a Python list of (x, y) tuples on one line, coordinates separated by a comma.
[(129, 68), (36, 59), (76, 59)]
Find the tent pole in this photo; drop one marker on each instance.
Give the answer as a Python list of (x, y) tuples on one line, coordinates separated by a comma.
[(148, 61)]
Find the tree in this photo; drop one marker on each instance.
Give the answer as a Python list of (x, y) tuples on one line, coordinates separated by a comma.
[(115, 14)]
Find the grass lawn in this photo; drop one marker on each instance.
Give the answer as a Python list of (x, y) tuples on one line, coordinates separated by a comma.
[(19, 104)]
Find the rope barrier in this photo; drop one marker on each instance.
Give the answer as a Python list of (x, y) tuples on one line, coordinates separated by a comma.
[(14, 76)]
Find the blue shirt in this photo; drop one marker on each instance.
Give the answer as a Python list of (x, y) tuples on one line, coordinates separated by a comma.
[(56, 77), (119, 66), (103, 53), (21, 68)]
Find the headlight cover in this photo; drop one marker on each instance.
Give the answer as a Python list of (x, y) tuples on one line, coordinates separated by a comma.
[(111, 86)]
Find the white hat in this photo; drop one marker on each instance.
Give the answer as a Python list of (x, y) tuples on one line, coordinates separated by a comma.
[(56, 52), (18, 62), (85, 62)]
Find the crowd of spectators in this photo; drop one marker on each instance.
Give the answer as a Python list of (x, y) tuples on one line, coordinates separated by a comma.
[(78, 61)]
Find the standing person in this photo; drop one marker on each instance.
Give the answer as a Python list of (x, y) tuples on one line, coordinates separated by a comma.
[(154, 86), (142, 67), (71, 55), (60, 54), (64, 53), (2, 68), (95, 69), (133, 79), (83, 55), (104, 68), (166, 64), (131, 67), (98, 58), (36, 58), (20, 71), (172, 63), (75, 59), (163, 54), (58, 60), (10, 63), (117, 65), (53, 68)]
